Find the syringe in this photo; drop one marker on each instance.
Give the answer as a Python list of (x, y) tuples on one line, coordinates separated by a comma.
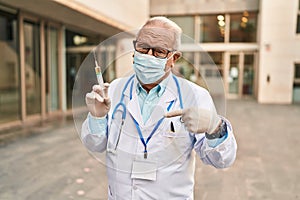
[(98, 72)]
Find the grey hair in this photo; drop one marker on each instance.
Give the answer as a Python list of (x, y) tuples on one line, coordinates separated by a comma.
[(164, 22)]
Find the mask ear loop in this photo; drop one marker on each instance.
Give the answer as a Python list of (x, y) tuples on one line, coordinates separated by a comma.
[(171, 55), (172, 64)]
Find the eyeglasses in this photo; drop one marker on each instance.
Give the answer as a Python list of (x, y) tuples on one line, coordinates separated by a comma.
[(156, 51)]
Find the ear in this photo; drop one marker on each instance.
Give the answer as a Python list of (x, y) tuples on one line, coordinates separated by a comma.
[(176, 56)]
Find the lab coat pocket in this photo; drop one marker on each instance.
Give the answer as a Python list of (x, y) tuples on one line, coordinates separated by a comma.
[(174, 128), (177, 142)]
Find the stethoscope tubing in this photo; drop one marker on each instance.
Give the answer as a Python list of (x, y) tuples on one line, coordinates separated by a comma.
[(121, 103)]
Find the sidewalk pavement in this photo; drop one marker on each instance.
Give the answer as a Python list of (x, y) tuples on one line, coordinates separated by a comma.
[(53, 164)]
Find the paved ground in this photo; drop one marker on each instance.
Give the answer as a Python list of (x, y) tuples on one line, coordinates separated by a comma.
[(55, 165)]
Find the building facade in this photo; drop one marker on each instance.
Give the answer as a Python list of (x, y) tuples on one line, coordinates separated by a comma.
[(255, 45), (42, 46)]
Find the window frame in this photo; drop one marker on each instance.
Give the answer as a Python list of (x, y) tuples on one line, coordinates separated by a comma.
[(298, 19), (296, 79)]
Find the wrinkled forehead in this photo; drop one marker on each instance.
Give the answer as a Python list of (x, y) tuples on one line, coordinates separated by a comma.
[(157, 37)]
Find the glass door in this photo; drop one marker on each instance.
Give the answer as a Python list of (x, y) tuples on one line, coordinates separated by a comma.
[(248, 75), (10, 109), (74, 61), (241, 75), (32, 67), (233, 75)]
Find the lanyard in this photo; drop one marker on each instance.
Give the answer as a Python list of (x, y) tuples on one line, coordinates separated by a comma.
[(153, 131), (122, 104)]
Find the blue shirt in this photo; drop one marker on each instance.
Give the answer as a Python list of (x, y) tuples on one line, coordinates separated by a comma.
[(148, 101)]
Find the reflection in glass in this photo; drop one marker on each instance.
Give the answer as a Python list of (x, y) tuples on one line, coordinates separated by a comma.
[(52, 71), (9, 65), (32, 68), (248, 74), (212, 28), (74, 61), (233, 76), (75, 58), (76, 55), (185, 65), (186, 23), (243, 27), (213, 64)]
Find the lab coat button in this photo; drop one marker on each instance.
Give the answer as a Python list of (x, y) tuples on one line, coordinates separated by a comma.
[(134, 187)]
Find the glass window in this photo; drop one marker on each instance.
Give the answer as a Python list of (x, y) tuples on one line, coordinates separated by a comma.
[(212, 28), (186, 23), (298, 18), (296, 88), (233, 77), (248, 74), (185, 65), (212, 63), (52, 95), (298, 23), (75, 39), (108, 55), (297, 71), (243, 27), (74, 60), (9, 65), (32, 68)]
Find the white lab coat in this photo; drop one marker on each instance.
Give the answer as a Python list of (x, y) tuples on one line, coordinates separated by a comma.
[(172, 153)]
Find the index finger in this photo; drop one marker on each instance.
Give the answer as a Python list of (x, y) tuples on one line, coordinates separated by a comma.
[(174, 113)]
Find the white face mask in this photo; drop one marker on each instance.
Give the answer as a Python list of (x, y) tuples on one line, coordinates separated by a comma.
[(149, 69)]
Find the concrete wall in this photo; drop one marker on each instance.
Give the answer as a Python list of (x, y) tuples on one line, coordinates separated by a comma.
[(131, 13), (279, 50), (124, 58), (179, 7)]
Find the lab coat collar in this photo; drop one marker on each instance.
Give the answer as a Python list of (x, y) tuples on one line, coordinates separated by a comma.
[(133, 106)]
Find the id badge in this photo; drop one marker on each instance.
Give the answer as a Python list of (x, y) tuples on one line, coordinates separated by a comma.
[(144, 169)]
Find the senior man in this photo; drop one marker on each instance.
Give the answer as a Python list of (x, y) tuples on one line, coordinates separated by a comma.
[(153, 123)]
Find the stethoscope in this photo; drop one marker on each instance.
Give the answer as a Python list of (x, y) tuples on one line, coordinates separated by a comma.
[(122, 105)]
